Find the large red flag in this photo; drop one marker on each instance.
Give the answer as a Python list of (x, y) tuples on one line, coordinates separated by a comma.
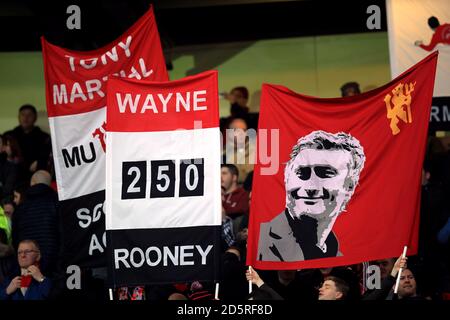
[(346, 188)]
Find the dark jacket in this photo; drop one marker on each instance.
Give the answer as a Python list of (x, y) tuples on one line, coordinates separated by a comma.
[(8, 177), (35, 145), (383, 292), (36, 290), (37, 219), (265, 292)]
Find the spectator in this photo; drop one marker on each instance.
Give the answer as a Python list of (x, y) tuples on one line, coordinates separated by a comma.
[(19, 194), (199, 292), (407, 289), (386, 266), (293, 285), (34, 143), (235, 199), (31, 284), (240, 147), (227, 234), (37, 218), (233, 286), (387, 282), (350, 89), (6, 250), (177, 296), (5, 228), (9, 165), (263, 291), (248, 182), (238, 98), (333, 288)]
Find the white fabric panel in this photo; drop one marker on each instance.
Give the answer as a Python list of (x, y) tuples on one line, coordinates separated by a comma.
[(69, 132), (408, 22), (163, 212)]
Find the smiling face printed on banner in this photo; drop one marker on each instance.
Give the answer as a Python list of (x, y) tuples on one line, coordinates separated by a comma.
[(316, 181), (322, 174)]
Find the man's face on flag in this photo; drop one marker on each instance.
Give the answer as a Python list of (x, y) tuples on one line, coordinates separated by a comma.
[(315, 182)]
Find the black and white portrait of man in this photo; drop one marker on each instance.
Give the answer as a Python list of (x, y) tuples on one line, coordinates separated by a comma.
[(320, 179)]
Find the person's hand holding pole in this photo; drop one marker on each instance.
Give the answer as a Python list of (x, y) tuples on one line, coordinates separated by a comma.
[(253, 278), (400, 266)]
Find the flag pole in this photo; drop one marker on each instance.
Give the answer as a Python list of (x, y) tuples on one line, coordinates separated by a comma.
[(216, 295), (250, 282), (397, 283)]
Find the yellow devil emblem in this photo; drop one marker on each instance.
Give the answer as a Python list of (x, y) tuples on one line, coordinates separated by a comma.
[(398, 105)]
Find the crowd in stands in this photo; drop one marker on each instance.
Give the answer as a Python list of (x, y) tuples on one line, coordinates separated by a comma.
[(30, 231)]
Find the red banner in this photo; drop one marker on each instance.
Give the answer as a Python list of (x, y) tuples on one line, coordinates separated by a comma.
[(347, 185), (188, 103), (76, 80), (76, 106)]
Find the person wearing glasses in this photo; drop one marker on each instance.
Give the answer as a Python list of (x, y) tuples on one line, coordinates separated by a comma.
[(31, 284)]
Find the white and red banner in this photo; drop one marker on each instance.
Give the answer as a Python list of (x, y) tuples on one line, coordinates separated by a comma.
[(416, 28), (76, 106), (347, 188), (163, 193)]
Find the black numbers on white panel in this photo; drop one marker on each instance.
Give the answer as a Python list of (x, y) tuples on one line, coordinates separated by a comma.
[(163, 179)]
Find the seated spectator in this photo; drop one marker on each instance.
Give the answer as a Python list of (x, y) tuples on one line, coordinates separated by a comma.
[(350, 89), (238, 98), (9, 166), (131, 293), (19, 194), (34, 143), (30, 284), (9, 208), (6, 250), (227, 234), (235, 199), (5, 227), (233, 286), (333, 288), (248, 182), (290, 284), (37, 218), (263, 291), (387, 282), (407, 289), (177, 296), (199, 292), (385, 266), (240, 148)]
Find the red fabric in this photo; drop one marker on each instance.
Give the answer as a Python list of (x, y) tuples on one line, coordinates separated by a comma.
[(236, 202), (201, 295), (136, 54), (441, 35), (181, 287), (382, 216), (137, 106), (25, 281)]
